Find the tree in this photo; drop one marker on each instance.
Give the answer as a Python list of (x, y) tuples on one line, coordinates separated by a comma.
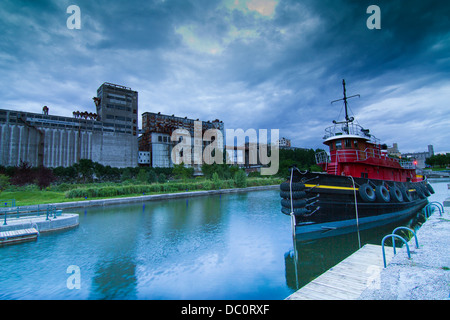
[(162, 178), (440, 160), (240, 179), (182, 172), (44, 177), (85, 168), (99, 170), (142, 176), (152, 177), (126, 174), (23, 174), (65, 174)]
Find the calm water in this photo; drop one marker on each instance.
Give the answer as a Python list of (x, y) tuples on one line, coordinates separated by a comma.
[(235, 246)]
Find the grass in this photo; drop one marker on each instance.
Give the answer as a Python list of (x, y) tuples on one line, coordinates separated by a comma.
[(31, 195), (24, 198)]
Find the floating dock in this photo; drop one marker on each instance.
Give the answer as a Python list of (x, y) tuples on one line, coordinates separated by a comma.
[(14, 236), (27, 228), (348, 279)]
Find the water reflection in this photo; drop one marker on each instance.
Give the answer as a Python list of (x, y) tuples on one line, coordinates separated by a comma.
[(234, 246)]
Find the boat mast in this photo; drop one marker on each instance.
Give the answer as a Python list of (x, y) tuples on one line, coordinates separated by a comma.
[(347, 118)]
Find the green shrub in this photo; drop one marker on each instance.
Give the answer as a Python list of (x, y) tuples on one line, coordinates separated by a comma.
[(217, 182), (162, 178), (240, 179), (4, 182)]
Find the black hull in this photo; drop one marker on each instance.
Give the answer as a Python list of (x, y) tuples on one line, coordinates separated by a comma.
[(324, 205)]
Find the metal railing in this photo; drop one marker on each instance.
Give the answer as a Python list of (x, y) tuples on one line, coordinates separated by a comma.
[(322, 157), (393, 243), (428, 209), (349, 129), (49, 211), (8, 203), (349, 155)]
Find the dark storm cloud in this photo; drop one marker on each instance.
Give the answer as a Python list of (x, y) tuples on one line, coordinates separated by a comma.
[(251, 63)]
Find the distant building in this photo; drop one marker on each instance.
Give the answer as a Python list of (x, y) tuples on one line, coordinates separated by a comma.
[(284, 143), (108, 137), (394, 150), (117, 106), (420, 157), (156, 135)]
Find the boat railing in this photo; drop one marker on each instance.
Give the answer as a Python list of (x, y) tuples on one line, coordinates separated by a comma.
[(349, 129), (322, 157), (407, 164), (350, 155)]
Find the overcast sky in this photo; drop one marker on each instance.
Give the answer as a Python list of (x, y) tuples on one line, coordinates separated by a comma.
[(262, 64)]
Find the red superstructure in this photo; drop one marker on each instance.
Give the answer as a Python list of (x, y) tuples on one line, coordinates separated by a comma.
[(355, 152)]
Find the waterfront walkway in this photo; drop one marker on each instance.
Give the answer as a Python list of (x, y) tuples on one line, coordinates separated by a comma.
[(424, 276)]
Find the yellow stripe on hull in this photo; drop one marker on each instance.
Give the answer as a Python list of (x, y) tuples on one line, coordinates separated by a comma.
[(338, 188), (329, 187)]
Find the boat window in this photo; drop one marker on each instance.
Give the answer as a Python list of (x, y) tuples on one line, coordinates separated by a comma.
[(338, 144), (348, 143), (331, 146), (355, 143)]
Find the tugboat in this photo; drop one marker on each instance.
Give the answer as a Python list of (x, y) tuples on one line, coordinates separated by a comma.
[(360, 187)]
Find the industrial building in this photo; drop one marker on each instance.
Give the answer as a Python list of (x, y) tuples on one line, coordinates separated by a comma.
[(108, 137), (418, 157), (155, 145)]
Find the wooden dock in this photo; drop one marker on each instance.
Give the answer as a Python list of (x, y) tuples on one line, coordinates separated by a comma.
[(7, 237), (349, 278)]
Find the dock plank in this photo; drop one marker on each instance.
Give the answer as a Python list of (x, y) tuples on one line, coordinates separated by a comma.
[(348, 279)]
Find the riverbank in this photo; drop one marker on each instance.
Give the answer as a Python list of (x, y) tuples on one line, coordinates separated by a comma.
[(143, 198), (31, 194)]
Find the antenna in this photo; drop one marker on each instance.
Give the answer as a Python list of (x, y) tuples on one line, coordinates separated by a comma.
[(347, 118)]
